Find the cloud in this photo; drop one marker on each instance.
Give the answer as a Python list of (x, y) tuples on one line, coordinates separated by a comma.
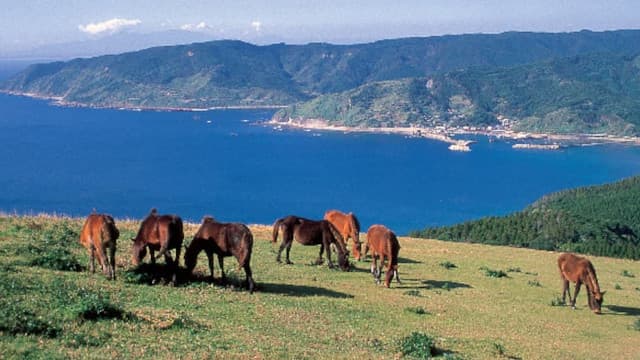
[(111, 26), (257, 25), (191, 27)]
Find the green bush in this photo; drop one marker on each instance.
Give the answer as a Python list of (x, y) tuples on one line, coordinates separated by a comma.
[(15, 320), (412, 293), (493, 273), (418, 345), (416, 310), (557, 301), (636, 325), (627, 273), (76, 340), (535, 283), (95, 306), (448, 265)]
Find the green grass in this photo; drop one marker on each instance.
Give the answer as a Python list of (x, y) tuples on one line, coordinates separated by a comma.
[(303, 311)]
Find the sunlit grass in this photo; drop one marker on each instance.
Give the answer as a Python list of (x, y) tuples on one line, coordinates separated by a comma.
[(306, 311)]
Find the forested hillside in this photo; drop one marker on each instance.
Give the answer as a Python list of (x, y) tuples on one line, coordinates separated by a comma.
[(595, 93), (234, 73), (599, 220)]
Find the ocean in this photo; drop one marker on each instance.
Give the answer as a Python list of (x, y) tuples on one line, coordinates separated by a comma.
[(231, 165)]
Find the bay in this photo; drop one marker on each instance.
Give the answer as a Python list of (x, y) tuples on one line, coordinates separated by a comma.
[(229, 164)]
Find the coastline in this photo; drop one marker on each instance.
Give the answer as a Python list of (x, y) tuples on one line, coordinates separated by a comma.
[(526, 140), (59, 101)]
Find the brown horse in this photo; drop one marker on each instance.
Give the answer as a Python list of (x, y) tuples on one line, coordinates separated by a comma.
[(98, 234), (159, 232), (229, 239), (348, 226), (383, 244), (580, 270), (311, 232)]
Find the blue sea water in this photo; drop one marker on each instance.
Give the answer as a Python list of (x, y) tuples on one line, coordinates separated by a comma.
[(226, 163)]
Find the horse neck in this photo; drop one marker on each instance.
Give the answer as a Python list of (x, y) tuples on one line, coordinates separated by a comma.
[(194, 248), (591, 281)]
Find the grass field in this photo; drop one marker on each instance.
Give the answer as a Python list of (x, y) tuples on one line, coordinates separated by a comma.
[(302, 310)]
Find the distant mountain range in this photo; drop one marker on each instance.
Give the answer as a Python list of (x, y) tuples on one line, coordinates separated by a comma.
[(459, 78)]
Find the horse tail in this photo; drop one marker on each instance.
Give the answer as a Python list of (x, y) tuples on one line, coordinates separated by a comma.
[(247, 240), (276, 229), (393, 248)]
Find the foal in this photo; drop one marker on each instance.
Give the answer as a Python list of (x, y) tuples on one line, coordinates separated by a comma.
[(98, 234)]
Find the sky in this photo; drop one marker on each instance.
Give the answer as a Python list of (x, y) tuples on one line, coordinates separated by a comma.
[(26, 24)]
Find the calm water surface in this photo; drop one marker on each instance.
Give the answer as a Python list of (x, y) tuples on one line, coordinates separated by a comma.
[(224, 163)]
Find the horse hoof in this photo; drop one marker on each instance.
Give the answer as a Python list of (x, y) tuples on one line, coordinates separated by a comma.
[(289, 262)]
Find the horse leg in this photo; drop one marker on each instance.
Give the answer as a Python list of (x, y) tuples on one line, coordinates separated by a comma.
[(112, 261), (100, 252), (221, 263), (575, 293), (176, 266), (290, 242), (319, 260), (210, 257), (389, 277), (250, 284), (395, 271), (326, 244), (92, 259), (565, 290)]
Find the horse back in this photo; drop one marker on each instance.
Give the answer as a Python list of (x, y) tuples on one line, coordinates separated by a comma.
[(98, 230), (573, 267)]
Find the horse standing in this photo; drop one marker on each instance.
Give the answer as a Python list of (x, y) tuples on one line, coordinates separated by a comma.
[(383, 244), (162, 233), (310, 232), (230, 239), (580, 270), (348, 226), (98, 234)]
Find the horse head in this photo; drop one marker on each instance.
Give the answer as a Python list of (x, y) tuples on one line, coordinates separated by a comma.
[(595, 301), (343, 260), (139, 252)]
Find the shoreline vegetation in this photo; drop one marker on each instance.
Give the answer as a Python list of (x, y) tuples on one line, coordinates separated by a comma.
[(526, 140)]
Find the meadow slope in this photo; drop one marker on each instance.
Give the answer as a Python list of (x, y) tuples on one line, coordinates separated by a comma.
[(302, 310)]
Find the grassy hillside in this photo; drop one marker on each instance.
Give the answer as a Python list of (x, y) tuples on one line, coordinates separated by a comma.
[(596, 93), (600, 220), (233, 73), (302, 310)]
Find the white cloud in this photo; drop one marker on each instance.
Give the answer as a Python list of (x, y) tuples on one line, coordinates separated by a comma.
[(257, 25), (111, 26), (199, 26)]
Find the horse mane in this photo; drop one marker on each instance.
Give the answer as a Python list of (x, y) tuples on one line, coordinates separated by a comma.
[(591, 280), (356, 223), (208, 218), (342, 247)]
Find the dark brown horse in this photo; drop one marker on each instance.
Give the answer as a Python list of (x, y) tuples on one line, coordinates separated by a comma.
[(348, 226), (311, 232), (98, 234), (580, 271), (230, 239), (383, 244), (159, 233)]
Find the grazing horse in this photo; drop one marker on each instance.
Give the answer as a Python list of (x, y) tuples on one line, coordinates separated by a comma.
[(580, 270), (383, 244), (98, 234), (311, 232), (230, 239), (159, 232), (348, 226)]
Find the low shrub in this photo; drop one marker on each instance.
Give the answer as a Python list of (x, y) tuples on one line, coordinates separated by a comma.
[(636, 325), (76, 340), (448, 265), (94, 306), (416, 310), (493, 273), (412, 293), (15, 320), (418, 345), (534, 283), (557, 301), (627, 273)]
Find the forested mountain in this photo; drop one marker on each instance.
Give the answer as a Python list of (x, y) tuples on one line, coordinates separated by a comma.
[(234, 73), (592, 93), (598, 220)]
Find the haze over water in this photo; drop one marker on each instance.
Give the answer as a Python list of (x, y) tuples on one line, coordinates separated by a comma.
[(226, 164)]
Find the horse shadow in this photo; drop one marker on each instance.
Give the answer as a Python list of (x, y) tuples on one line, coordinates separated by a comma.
[(435, 284), (300, 290), (623, 310)]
